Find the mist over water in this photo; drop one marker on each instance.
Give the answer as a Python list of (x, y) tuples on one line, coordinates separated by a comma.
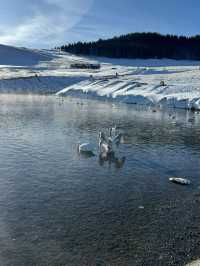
[(60, 208)]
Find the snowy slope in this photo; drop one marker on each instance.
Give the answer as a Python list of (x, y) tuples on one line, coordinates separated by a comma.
[(21, 56), (147, 62), (137, 81), (37, 84), (141, 85)]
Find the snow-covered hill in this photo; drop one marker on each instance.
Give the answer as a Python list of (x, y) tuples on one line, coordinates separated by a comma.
[(151, 82), (21, 56)]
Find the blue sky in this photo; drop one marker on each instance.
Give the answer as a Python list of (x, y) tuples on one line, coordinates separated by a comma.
[(48, 23)]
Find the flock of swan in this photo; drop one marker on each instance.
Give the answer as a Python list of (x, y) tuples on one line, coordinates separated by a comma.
[(106, 144), (106, 147)]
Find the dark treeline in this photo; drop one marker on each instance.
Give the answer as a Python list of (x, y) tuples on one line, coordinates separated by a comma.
[(140, 45)]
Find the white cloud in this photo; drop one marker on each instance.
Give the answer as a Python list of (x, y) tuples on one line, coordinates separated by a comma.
[(48, 23)]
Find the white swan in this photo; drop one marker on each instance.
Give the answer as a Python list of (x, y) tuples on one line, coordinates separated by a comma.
[(116, 139), (112, 131), (102, 138), (86, 148), (105, 145)]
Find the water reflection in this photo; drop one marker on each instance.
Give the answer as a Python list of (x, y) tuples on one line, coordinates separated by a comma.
[(111, 159)]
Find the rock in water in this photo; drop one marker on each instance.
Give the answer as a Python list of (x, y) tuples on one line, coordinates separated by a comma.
[(141, 207), (194, 263), (181, 181)]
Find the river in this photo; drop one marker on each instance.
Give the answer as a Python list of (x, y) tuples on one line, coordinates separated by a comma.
[(60, 208)]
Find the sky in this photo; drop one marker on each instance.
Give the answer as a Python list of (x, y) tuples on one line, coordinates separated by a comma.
[(50, 23)]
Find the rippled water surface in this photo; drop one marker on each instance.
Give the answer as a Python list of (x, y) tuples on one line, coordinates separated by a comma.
[(60, 208)]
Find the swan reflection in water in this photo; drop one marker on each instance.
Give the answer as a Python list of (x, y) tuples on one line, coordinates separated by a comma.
[(111, 159)]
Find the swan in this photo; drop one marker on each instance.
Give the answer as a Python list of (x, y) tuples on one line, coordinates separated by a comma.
[(105, 147), (104, 144), (102, 138), (86, 148), (113, 130), (116, 139)]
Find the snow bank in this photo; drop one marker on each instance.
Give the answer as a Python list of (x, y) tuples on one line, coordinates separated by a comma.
[(134, 92)]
